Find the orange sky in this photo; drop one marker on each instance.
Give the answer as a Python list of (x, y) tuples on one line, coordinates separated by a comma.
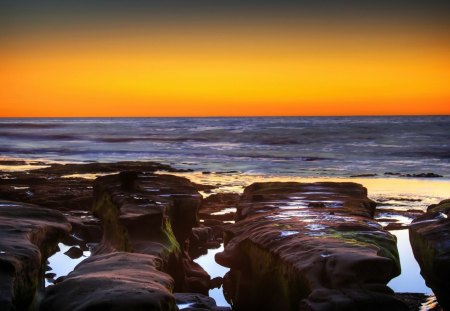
[(265, 70)]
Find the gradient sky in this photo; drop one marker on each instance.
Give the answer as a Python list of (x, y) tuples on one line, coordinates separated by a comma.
[(213, 58)]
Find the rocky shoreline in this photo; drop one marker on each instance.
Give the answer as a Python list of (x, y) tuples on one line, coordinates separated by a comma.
[(290, 246)]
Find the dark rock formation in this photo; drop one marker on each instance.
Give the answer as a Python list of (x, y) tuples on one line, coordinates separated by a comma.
[(430, 240), (392, 219), (115, 281), (28, 235), (217, 206), (216, 212), (197, 302), (309, 247), (151, 214), (419, 301), (363, 175), (48, 190), (74, 252), (415, 175), (54, 188)]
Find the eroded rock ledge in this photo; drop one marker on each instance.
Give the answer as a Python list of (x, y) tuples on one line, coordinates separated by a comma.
[(151, 214), (430, 240), (309, 247), (142, 257), (115, 281), (28, 235)]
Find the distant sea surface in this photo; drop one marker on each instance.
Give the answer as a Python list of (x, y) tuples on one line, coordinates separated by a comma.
[(289, 146)]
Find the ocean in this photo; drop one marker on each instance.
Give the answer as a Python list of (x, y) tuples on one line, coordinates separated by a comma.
[(288, 146), (385, 154)]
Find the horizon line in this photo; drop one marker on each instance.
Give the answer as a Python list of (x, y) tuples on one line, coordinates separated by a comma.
[(223, 116)]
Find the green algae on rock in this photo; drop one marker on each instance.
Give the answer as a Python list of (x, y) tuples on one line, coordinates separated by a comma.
[(309, 246), (151, 214)]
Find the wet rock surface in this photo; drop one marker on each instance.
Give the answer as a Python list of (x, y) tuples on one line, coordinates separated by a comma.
[(60, 186), (154, 216), (115, 281), (392, 219), (430, 241), (309, 247), (319, 244), (28, 235)]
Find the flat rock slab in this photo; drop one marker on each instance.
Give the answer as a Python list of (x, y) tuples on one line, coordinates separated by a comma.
[(65, 186), (430, 240), (116, 281), (309, 247), (28, 235)]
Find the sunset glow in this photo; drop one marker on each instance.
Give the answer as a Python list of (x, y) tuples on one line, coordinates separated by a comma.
[(250, 68)]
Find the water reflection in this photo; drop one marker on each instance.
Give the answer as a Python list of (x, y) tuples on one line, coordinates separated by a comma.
[(208, 263), (61, 264), (398, 193), (410, 279)]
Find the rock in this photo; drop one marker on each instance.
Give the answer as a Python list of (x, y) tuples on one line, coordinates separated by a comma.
[(151, 214), (97, 167), (74, 252), (415, 301), (392, 219), (48, 190), (12, 162), (51, 187), (86, 228), (219, 206), (430, 240), (115, 281), (50, 275), (28, 236), (216, 210), (203, 187), (395, 226), (363, 175), (392, 174), (194, 301), (199, 237), (432, 206), (415, 175), (424, 175), (296, 254)]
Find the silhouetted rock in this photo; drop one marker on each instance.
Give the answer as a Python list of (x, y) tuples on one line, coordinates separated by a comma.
[(430, 240), (363, 175), (197, 302), (97, 167), (115, 281), (74, 252), (288, 254), (415, 175), (28, 235)]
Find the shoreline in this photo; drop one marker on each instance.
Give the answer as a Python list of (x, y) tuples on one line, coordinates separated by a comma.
[(393, 194)]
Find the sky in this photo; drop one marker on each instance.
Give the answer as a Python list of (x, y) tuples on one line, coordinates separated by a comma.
[(224, 58)]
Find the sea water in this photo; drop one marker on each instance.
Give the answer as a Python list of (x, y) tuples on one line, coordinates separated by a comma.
[(298, 146)]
